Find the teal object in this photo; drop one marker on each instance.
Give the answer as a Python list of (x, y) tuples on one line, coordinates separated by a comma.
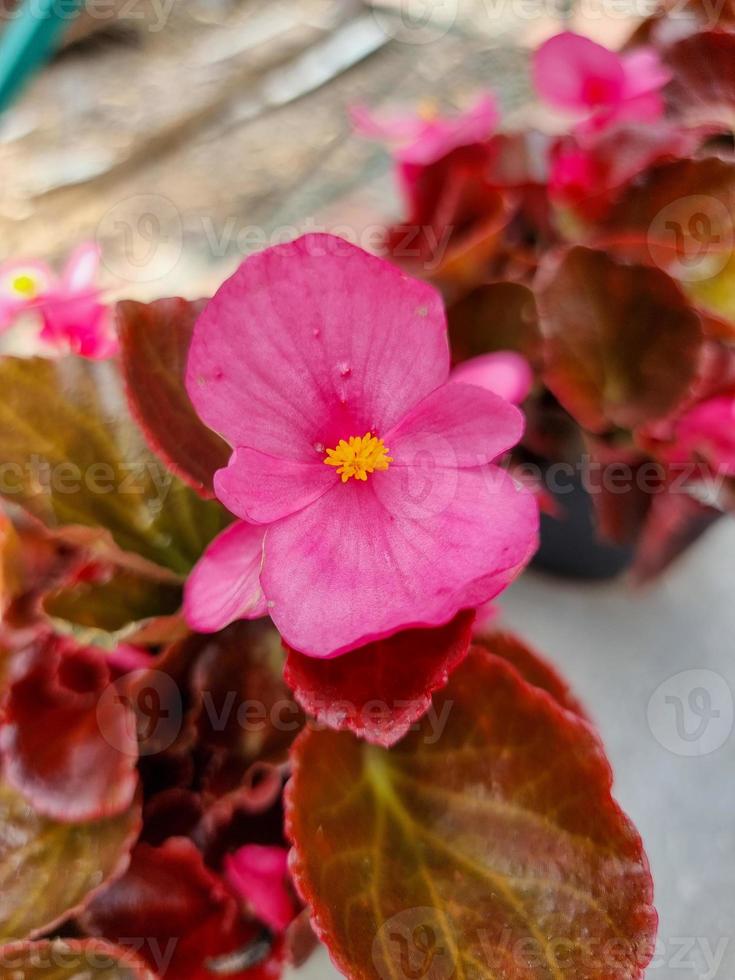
[(29, 39)]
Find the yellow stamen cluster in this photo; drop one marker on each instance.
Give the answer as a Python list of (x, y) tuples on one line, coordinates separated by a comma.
[(358, 456), (24, 285)]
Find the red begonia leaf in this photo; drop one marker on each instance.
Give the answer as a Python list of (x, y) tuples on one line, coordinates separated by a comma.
[(48, 870), (68, 742), (496, 851), (103, 604), (181, 909), (494, 317), (674, 19), (532, 668), (72, 959), (380, 690), (154, 344), (243, 704), (74, 456), (456, 221), (703, 86), (677, 216), (622, 341)]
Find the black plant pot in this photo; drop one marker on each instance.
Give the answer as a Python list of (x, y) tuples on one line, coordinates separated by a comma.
[(570, 545)]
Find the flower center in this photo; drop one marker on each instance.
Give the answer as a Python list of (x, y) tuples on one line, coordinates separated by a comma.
[(24, 285), (598, 91), (358, 456)]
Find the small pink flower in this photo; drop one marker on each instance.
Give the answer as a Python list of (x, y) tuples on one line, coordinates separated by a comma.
[(426, 137), (22, 283), (423, 139), (259, 876), (505, 373), (363, 480), (574, 73), (72, 314)]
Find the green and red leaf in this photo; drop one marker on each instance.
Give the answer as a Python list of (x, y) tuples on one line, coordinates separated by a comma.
[(494, 317), (49, 870), (622, 342), (68, 741), (496, 850), (73, 456)]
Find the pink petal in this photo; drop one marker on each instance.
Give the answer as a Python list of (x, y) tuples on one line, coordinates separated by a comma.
[(224, 584), (573, 72), (647, 108), (259, 875), (448, 133), (644, 73), (506, 373), (402, 127), (314, 341), (407, 548), (262, 489), (82, 268), (707, 431), (80, 323), (456, 425)]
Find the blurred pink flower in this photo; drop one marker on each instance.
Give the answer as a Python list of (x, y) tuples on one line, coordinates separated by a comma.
[(72, 313), (574, 73), (22, 283), (505, 373), (317, 353), (421, 139), (707, 432), (259, 876), (427, 136)]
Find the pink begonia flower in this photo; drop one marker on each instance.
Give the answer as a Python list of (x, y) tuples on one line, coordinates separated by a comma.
[(427, 136), (574, 73), (422, 139), (506, 373), (707, 431), (259, 876), (72, 314), (363, 479), (21, 285)]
